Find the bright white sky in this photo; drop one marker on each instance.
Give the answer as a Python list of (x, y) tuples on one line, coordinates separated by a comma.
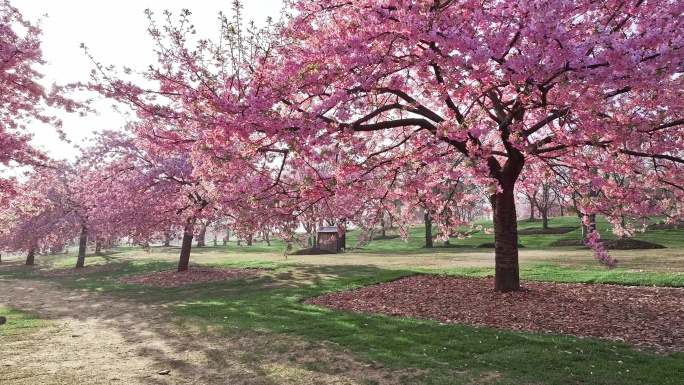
[(116, 33)]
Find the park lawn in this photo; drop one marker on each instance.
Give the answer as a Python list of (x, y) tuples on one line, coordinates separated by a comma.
[(426, 352), (19, 324)]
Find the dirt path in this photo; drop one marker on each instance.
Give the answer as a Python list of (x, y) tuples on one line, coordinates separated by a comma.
[(94, 338)]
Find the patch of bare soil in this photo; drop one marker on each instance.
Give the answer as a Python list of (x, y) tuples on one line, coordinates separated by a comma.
[(76, 271), (173, 278), (550, 230), (312, 251), (630, 244), (637, 315), (97, 339), (666, 226), (569, 242), (491, 245)]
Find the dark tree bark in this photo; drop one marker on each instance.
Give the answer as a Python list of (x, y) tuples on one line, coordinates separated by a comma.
[(200, 237), (428, 229), (250, 239), (507, 270), (267, 239), (167, 239), (31, 257), (545, 220), (98, 246), (186, 246), (532, 204), (82, 245), (215, 241)]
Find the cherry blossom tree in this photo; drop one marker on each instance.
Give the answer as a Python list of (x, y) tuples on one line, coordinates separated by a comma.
[(360, 103), (399, 85), (22, 98)]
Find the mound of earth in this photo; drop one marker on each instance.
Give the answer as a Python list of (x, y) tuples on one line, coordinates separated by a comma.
[(312, 251), (637, 315), (76, 271), (550, 230), (381, 237), (452, 246), (173, 278), (568, 242), (666, 226), (491, 245), (630, 244)]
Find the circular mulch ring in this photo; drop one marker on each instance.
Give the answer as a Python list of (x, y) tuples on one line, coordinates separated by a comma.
[(173, 278), (452, 246), (551, 230), (491, 245), (312, 251), (638, 315), (666, 226), (76, 271), (569, 242), (384, 237), (630, 244)]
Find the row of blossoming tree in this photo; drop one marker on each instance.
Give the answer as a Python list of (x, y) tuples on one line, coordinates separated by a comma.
[(356, 110)]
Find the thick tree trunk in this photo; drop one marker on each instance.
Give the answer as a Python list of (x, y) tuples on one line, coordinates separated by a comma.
[(532, 204), (561, 210), (98, 246), (250, 239), (200, 237), (186, 246), (167, 239), (267, 239), (428, 230), (545, 220), (506, 242), (82, 244), (31, 257), (215, 241)]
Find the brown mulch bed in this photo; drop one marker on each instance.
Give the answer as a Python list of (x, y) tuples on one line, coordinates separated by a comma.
[(491, 245), (173, 278), (75, 271), (666, 226), (551, 230), (616, 244), (636, 315), (630, 244), (312, 251), (569, 242)]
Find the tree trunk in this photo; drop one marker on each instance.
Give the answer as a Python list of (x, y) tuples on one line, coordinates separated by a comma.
[(31, 257), (428, 230), (506, 242), (383, 232), (186, 246), (267, 239), (167, 239), (82, 243), (215, 241), (545, 220), (561, 210), (200, 237), (250, 239), (98, 246), (532, 204)]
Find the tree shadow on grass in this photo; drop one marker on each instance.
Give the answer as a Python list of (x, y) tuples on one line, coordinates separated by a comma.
[(268, 308)]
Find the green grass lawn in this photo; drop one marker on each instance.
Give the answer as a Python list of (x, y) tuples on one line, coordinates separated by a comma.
[(19, 324), (426, 352)]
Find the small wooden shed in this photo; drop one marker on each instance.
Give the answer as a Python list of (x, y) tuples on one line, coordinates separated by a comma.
[(329, 239)]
